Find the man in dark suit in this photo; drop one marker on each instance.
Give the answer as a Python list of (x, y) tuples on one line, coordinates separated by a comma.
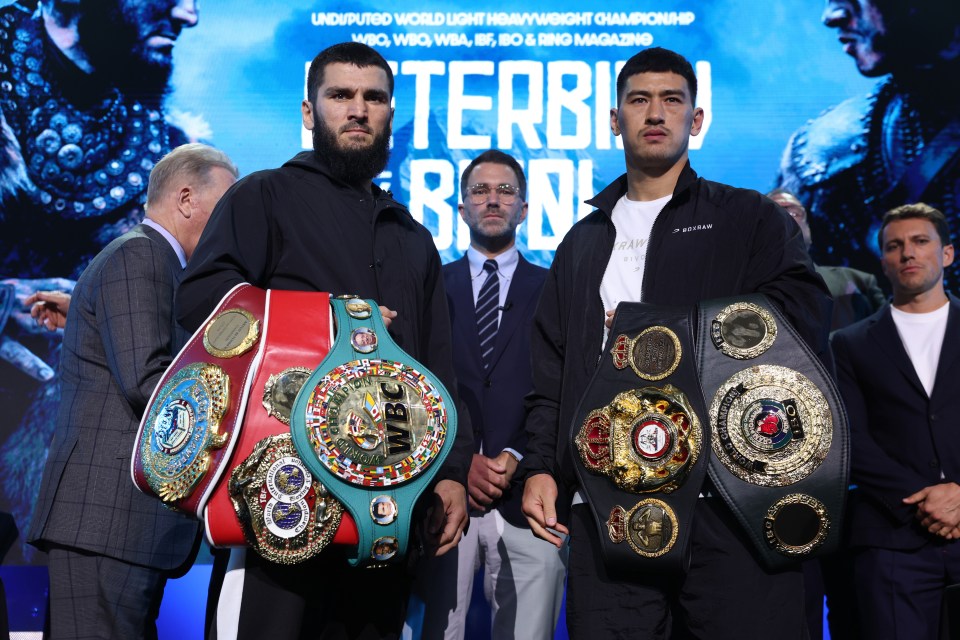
[(856, 294), (111, 548), (899, 374), (492, 293)]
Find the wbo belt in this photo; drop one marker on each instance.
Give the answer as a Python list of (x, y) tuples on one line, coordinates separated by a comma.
[(779, 431), (374, 426), (640, 437)]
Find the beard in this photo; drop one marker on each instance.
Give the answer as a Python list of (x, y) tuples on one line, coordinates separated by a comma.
[(352, 165), (113, 42)]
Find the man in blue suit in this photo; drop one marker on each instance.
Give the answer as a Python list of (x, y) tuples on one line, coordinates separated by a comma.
[(899, 374), (492, 292)]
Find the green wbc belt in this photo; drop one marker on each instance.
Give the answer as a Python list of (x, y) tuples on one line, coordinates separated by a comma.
[(373, 425)]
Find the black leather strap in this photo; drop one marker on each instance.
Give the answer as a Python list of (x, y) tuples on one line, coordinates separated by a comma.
[(780, 434), (658, 343)]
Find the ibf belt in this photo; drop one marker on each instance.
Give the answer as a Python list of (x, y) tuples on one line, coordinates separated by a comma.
[(187, 431), (269, 500), (779, 432), (373, 425), (640, 442)]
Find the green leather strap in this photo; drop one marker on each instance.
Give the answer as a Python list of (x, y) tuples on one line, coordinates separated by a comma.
[(374, 426)]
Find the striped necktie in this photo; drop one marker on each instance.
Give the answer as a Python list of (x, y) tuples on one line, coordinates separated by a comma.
[(488, 312)]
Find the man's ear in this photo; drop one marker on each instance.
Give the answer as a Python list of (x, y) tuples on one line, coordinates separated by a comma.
[(306, 112), (186, 202)]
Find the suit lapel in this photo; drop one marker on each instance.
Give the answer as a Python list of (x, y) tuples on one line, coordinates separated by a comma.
[(884, 333), (519, 298), (950, 351), (464, 311)]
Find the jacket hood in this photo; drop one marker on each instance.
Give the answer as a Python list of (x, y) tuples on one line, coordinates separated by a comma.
[(309, 161)]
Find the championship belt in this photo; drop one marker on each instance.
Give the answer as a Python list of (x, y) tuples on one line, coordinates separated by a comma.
[(640, 439), (269, 500), (373, 425), (779, 431), (187, 431)]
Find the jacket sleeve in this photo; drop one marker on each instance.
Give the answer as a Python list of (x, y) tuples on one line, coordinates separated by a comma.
[(547, 356), (134, 307), (878, 475), (236, 247)]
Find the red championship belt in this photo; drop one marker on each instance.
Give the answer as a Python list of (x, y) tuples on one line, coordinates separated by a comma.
[(190, 426), (268, 499)]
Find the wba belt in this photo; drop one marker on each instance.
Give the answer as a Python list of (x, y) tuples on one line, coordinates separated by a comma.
[(374, 426), (779, 431), (215, 439), (640, 438)]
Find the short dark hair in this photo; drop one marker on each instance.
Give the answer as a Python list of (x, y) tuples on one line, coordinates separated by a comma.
[(355, 53), (916, 210), (657, 60), (494, 156)]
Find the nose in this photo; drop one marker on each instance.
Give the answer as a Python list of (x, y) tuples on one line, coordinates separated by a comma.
[(835, 14), (655, 112), (186, 12), (357, 107)]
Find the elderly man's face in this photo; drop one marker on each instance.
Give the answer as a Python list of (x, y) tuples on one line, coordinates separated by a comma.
[(132, 40)]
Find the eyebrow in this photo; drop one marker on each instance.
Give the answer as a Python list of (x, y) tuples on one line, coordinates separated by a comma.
[(664, 92)]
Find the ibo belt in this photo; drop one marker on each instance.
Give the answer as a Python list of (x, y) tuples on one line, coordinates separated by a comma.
[(374, 426), (779, 431)]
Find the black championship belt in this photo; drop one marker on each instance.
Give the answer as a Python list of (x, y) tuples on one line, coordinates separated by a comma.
[(779, 431), (640, 437)]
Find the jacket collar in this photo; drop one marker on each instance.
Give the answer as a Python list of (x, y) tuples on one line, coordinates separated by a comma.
[(607, 199)]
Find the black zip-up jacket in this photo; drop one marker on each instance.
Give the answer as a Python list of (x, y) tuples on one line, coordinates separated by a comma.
[(298, 228), (710, 241)]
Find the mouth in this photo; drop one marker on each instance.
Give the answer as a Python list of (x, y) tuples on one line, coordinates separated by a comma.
[(161, 40), (654, 134), (356, 128), (848, 41)]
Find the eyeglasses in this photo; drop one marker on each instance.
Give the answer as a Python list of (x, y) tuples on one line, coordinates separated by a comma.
[(506, 193)]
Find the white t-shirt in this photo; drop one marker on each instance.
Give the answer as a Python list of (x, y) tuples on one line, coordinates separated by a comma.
[(922, 337), (623, 279)]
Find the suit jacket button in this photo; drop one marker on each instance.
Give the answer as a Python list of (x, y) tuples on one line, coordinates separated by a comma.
[(933, 417), (487, 383)]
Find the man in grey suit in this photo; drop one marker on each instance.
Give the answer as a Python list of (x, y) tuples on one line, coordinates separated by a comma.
[(111, 548)]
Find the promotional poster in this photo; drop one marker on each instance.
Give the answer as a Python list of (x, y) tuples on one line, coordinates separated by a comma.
[(536, 79)]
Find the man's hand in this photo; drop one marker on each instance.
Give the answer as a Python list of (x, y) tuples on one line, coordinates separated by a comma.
[(25, 289), (447, 517), (540, 507), (49, 309), (489, 478), (938, 508), (388, 315), (608, 322)]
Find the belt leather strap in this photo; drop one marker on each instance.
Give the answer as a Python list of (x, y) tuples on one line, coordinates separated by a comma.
[(779, 431), (374, 426), (640, 439), (189, 429), (269, 500)]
